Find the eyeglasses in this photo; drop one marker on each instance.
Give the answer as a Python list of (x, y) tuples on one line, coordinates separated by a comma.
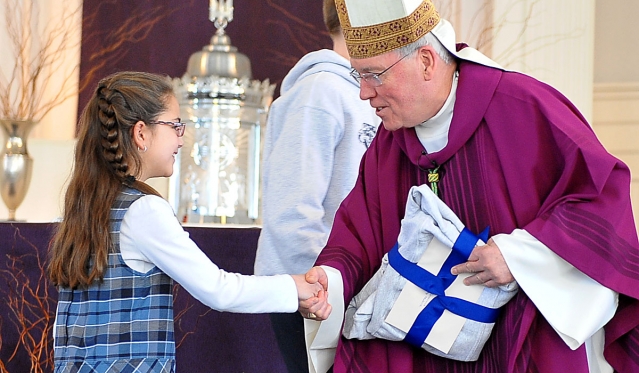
[(179, 127), (373, 78)]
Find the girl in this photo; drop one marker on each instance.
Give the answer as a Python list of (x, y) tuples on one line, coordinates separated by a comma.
[(120, 245)]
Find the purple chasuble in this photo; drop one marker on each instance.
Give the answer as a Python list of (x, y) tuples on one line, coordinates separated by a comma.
[(519, 155)]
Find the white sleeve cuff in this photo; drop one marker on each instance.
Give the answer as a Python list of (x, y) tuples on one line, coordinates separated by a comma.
[(322, 336), (564, 295)]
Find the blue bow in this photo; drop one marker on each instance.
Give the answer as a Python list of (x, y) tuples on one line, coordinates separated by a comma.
[(437, 285)]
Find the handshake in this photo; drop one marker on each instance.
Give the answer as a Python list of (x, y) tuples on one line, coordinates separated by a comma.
[(312, 293)]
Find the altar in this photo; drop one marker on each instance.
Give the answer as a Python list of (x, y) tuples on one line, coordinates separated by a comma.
[(206, 340)]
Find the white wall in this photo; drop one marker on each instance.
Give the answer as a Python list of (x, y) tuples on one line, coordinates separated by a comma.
[(52, 161), (616, 41), (550, 40), (616, 89), (616, 122), (60, 123), (51, 142)]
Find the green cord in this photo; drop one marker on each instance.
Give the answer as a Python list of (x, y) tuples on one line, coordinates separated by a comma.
[(433, 179)]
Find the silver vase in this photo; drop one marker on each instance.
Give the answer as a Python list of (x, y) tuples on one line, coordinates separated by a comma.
[(16, 165)]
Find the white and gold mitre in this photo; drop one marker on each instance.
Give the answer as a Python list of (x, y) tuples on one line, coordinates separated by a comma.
[(374, 27)]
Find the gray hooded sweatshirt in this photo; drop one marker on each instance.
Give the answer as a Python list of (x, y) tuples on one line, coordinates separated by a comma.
[(316, 134)]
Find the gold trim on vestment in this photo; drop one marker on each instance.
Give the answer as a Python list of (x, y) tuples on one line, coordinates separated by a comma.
[(373, 40)]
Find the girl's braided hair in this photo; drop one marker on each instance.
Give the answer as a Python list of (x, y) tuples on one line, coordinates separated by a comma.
[(105, 158)]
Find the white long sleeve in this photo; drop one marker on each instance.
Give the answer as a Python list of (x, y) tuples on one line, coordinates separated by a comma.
[(559, 290), (563, 295), (150, 236)]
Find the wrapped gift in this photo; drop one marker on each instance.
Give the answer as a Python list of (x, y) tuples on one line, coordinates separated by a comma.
[(413, 297)]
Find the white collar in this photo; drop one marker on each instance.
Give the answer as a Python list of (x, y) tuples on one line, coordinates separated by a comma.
[(433, 133)]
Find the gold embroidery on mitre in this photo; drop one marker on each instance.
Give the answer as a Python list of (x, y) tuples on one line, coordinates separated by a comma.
[(342, 14), (370, 41)]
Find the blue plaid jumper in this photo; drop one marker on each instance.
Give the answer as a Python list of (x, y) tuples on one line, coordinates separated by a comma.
[(122, 324)]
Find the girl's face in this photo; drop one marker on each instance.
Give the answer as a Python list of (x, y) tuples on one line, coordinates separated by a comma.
[(163, 143)]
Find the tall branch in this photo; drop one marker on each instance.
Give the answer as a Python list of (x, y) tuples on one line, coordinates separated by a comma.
[(485, 25), (32, 306), (41, 78)]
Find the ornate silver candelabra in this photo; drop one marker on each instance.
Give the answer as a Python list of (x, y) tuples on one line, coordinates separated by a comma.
[(218, 177)]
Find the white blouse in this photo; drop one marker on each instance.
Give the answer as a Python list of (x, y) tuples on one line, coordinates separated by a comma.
[(151, 236)]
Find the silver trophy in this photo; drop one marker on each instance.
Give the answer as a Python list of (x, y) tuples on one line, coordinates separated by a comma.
[(217, 179)]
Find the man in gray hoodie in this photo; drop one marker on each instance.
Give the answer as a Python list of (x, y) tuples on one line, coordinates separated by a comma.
[(316, 134)]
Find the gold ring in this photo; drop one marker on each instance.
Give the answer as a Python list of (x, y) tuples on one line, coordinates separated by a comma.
[(480, 280), (311, 315)]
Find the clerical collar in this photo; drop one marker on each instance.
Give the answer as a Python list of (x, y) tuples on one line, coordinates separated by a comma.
[(433, 133)]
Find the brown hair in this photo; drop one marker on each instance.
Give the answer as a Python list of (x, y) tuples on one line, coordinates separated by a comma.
[(331, 20), (103, 153)]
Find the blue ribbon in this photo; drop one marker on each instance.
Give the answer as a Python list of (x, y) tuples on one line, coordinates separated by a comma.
[(437, 286)]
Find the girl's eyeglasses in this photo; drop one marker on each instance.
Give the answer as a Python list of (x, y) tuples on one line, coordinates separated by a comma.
[(179, 127)]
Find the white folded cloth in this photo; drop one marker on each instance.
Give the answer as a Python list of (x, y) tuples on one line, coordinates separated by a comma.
[(393, 308)]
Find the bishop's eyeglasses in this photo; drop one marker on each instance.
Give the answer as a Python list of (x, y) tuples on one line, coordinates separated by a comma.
[(373, 78)]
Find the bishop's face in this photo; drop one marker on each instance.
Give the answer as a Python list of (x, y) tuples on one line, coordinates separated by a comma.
[(406, 96)]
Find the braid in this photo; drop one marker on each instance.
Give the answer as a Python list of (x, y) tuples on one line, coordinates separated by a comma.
[(110, 132), (105, 158)]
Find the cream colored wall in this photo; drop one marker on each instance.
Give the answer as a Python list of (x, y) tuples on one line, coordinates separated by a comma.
[(52, 160), (616, 48), (616, 88), (550, 40), (616, 123), (59, 123), (51, 142)]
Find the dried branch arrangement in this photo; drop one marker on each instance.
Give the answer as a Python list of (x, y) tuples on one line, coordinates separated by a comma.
[(183, 304), (38, 55), (483, 26), (487, 23), (39, 51), (32, 303), (3, 367)]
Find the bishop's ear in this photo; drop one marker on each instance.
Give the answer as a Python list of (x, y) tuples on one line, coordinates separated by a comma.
[(427, 58)]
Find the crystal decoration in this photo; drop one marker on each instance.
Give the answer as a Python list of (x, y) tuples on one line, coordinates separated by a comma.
[(217, 177)]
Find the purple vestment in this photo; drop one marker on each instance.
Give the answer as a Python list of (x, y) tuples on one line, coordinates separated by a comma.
[(519, 155)]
